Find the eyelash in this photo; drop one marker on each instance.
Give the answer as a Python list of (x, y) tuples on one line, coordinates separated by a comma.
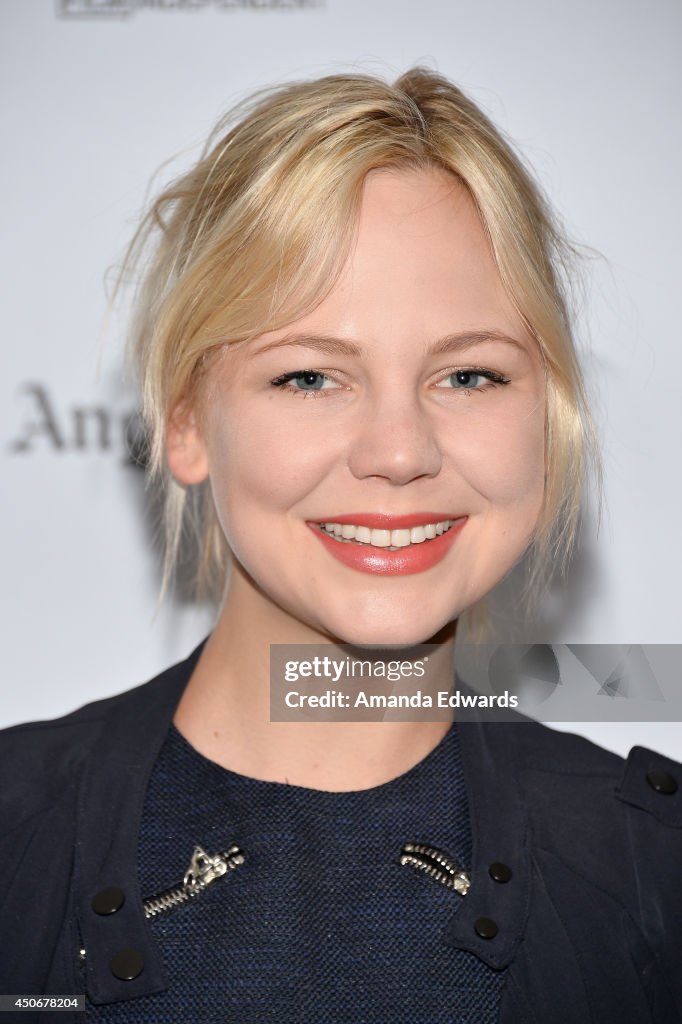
[(284, 381)]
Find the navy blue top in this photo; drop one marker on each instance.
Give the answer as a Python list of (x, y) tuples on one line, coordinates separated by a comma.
[(321, 922)]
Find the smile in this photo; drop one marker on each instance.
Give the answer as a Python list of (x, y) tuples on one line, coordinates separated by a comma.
[(389, 545), (389, 540)]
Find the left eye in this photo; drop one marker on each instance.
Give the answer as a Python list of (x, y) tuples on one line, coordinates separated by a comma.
[(476, 380)]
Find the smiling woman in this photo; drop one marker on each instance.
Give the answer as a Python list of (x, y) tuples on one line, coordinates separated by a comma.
[(319, 189), (361, 389), (396, 436)]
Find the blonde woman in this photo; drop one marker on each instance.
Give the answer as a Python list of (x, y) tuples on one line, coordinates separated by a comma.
[(361, 390)]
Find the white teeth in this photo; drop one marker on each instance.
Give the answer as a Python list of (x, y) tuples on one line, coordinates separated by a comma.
[(400, 538), (393, 540), (381, 538)]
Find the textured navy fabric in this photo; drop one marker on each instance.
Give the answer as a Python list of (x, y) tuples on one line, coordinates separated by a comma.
[(321, 922)]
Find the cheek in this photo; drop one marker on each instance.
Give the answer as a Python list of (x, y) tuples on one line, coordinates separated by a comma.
[(503, 457), (262, 463)]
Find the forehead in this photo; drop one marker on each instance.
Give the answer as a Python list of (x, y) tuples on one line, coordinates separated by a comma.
[(405, 198), (420, 269), (421, 263)]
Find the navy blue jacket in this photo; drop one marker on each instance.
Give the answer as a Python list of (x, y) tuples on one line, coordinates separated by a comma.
[(589, 923)]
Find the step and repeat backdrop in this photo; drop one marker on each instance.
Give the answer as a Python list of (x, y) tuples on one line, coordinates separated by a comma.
[(98, 94)]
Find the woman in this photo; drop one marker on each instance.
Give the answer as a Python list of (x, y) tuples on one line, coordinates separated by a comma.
[(360, 385)]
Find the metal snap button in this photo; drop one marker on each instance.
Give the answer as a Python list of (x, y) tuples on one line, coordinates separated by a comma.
[(663, 782), (127, 964), (108, 901), (485, 927), (499, 872)]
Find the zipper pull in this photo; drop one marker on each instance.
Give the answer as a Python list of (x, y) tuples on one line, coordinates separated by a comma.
[(436, 864), (203, 869)]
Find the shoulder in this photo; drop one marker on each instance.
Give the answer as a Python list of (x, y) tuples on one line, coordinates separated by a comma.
[(560, 770), (553, 762), (50, 745), (603, 845), (614, 823), (532, 749), (593, 816), (40, 759)]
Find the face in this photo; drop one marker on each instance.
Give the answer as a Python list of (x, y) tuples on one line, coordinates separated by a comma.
[(406, 413)]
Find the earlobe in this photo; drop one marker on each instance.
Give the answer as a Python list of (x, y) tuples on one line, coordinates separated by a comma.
[(185, 449)]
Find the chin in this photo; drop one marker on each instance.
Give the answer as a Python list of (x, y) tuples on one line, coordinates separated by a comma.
[(396, 636)]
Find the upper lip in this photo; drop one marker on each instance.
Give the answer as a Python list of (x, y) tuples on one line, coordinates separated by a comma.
[(381, 520)]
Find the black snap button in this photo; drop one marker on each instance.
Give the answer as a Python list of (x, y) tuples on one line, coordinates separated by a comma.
[(662, 782), (108, 901), (485, 927), (127, 964), (499, 872)]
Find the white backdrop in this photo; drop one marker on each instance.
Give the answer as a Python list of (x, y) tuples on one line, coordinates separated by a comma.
[(98, 93)]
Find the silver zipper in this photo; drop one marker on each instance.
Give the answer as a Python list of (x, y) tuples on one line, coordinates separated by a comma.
[(437, 864), (202, 871)]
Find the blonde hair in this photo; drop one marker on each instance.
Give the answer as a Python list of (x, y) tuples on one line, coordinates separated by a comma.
[(257, 232)]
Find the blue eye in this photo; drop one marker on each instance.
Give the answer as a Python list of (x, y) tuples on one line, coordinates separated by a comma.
[(312, 382), (470, 379), (464, 378)]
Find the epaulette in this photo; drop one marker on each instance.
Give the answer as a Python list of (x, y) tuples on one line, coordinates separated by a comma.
[(653, 782)]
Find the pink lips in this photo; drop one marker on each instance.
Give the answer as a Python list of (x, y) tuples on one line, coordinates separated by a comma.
[(408, 560)]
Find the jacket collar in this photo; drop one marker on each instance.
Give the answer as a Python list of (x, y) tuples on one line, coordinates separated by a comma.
[(113, 791), (490, 758)]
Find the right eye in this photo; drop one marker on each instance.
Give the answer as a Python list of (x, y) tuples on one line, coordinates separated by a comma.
[(311, 381)]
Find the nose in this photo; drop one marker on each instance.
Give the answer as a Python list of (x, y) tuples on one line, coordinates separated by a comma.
[(394, 438)]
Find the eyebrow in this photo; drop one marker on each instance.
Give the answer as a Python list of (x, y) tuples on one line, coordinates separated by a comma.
[(343, 346)]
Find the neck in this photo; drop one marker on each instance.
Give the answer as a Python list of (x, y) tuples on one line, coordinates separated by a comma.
[(225, 709)]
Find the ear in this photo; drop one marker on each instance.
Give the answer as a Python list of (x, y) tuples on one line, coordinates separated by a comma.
[(185, 448)]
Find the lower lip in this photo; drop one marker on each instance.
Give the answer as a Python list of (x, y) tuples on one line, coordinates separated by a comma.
[(379, 561)]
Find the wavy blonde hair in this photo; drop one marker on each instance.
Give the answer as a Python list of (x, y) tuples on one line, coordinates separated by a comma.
[(256, 233)]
